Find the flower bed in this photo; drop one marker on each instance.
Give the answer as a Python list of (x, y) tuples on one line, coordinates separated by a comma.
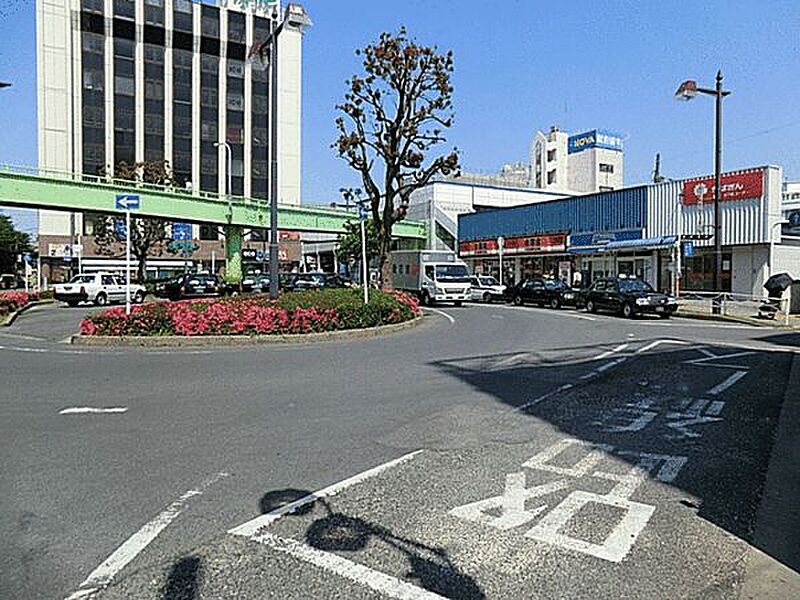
[(301, 312), (13, 301)]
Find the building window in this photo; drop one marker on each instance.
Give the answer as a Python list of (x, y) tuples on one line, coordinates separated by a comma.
[(237, 168), (208, 132), (208, 165), (209, 63), (154, 90), (124, 86), (551, 176), (235, 102), (606, 168), (235, 135), (125, 8), (551, 155), (208, 233), (235, 69), (208, 97), (93, 80), (154, 124), (183, 6)]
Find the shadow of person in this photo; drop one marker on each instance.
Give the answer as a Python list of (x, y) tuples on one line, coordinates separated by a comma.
[(183, 581)]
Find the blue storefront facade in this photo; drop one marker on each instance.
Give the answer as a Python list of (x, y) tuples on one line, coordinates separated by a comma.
[(639, 231)]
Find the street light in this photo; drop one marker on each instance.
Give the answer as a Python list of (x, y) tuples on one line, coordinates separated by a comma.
[(297, 18), (686, 91)]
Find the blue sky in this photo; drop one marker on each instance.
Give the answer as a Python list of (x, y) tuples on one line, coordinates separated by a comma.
[(526, 65)]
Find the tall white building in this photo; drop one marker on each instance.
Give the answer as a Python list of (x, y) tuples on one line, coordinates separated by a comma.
[(584, 163), (125, 80)]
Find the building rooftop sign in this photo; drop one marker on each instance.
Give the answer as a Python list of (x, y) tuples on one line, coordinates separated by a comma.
[(596, 138), (742, 185)]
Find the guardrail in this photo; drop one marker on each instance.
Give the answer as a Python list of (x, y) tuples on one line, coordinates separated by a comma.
[(734, 305)]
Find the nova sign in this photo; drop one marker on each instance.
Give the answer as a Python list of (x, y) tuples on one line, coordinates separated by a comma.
[(594, 139)]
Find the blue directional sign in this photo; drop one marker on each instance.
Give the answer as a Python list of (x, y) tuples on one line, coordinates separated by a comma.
[(181, 231), (688, 249), (127, 202), (363, 212)]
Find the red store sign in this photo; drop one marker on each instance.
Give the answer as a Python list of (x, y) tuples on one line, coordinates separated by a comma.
[(734, 186), (535, 244)]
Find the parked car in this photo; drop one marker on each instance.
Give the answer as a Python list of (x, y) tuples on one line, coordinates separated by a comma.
[(286, 281), (544, 292), (251, 284), (486, 289), (316, 281), (191, 285), (9, 281), (628, 297), (100, 288)]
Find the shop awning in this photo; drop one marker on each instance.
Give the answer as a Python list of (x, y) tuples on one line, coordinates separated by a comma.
[(654, 243)]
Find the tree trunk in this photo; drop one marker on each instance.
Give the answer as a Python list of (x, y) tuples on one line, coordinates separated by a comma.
[(141, 269), (387, 282)]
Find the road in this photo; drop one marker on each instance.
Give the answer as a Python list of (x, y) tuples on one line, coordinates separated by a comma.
[(491, 452)]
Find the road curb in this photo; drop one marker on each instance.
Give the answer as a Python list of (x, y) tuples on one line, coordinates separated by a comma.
[(732, 319), (174, 341), (11, 317), (773, 561)]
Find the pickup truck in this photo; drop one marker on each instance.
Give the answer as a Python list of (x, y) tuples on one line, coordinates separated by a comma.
[(99, 288)]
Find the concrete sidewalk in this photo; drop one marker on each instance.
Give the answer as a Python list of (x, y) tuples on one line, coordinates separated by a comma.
[(773, 563)]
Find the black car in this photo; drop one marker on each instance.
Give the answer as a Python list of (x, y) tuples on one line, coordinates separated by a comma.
[(544, 292), (316, 281), (251, 284), (191, 285), (628, 297)]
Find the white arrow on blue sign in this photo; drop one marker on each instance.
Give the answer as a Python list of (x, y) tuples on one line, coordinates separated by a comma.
[(127, 202)]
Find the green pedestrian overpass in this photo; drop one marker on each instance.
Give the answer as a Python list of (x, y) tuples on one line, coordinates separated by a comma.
[(37, 188)]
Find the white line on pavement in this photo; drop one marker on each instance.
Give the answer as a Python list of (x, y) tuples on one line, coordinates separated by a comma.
[(358, 573), (102, 575), (611, 364), (718, 389), (657, 343), (550, 312), (442, 313), (91, 410), (608, 353), (252, 527), (720, 357)]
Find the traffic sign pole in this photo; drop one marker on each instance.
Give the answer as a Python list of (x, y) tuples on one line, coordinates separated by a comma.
[(128, 262), (362, 217)]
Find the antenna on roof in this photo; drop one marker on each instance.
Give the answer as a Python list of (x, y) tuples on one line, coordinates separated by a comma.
[(657, 176)]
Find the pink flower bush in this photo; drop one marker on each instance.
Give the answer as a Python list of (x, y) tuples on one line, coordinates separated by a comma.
[(304, 312), (12, 301)]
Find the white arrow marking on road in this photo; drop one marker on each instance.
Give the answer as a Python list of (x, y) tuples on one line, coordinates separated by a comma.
[(104, 574), (718, 389), (91, 410)]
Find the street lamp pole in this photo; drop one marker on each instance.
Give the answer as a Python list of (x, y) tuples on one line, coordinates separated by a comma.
[(296, 16), (688, 90)]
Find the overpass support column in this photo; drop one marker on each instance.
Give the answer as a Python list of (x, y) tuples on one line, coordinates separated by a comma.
[(234, 236)]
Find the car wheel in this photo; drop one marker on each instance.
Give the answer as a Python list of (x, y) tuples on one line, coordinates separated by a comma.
[(555, 303), (627, 311), (518, 300), (138, 298), (487, 297), (101, 299), (590, 306)]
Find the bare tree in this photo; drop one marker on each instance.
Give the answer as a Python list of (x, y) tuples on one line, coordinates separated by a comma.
[(148, 234), (393, 116)]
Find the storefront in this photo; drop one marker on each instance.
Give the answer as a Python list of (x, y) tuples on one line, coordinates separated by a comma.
[(660, 233), (522, 257)]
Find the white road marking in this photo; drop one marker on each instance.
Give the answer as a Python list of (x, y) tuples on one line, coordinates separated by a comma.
[(252, 527), (698, 361), (715, 408), (718, 389), (87, 410), (104, 574), (358, 573), (551, 312), (657, 343), (608, 353), (611, 364), (442, 313)]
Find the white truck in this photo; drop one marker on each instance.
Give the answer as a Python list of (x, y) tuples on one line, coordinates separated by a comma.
[(99, 288), (433, 275)]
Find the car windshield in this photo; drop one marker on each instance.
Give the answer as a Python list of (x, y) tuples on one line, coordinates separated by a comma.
[(452, 273), (634, 285), (555, 285), (82, 279), (488, 281)]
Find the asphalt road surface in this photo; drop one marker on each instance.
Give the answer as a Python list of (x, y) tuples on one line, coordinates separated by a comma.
[(491, 452)]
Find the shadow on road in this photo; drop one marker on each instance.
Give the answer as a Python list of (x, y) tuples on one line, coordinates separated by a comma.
[(183, 581), (429, 567), (727, 464)]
